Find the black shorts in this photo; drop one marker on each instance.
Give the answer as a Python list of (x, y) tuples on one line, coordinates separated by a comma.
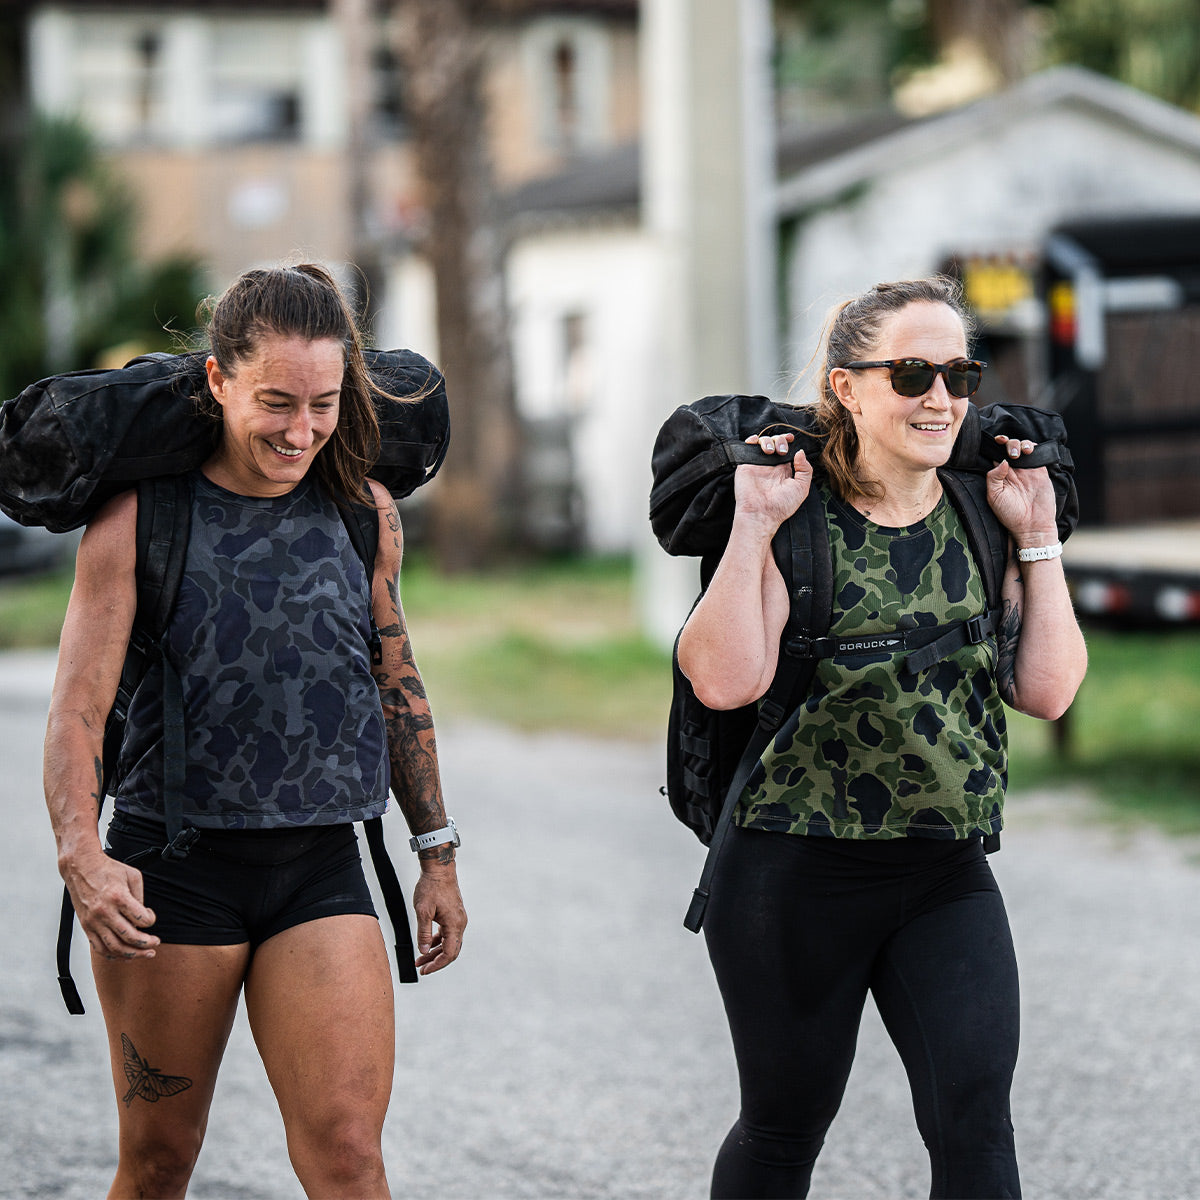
[(238, 886)]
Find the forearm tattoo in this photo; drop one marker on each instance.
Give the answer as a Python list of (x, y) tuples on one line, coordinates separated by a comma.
[(412, 746), (1008, 636)]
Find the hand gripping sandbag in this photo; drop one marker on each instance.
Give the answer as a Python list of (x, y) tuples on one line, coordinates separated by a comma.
[(700, 445), (71, 442)]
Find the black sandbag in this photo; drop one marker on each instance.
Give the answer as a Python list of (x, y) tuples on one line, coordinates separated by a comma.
[(70, 442)]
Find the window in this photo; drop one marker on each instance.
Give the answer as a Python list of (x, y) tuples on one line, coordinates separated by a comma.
[(388, 93), (576, 364), (567, 69), (256, 84), (118, 76)]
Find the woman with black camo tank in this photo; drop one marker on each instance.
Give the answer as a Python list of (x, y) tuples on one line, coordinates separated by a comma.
[(856, 863), (297, 725)]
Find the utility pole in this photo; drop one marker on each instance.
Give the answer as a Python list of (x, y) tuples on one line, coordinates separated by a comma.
[(708, 207)]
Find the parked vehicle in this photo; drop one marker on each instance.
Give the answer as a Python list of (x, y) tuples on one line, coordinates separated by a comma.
[(1101, 324)]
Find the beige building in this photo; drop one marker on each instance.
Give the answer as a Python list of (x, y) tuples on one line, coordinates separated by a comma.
[(233, 124)]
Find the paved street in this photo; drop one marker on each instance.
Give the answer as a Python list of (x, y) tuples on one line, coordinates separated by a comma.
[(578, 1048)]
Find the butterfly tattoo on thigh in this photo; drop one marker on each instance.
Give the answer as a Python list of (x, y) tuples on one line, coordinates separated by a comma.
[(147, 1081)]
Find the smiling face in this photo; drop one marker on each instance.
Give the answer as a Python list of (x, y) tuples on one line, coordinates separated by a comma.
[(280, 406), (902, 436)]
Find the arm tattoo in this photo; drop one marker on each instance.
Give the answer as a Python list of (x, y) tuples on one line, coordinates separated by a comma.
[(412, 746), (1007, 638), (98, 794), (1006, 661)]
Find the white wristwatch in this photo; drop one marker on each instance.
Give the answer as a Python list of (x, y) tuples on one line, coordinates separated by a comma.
[(439, 837), (1039, 553)]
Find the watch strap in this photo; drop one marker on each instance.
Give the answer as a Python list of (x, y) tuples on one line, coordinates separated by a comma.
[(437, 837), (1039, 553)]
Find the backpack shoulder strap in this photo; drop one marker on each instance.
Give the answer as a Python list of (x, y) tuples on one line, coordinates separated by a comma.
[(164, 526), (362, 527), (164, 522), (801, 549), (988, 539)]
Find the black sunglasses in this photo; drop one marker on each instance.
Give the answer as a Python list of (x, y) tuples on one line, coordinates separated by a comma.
[(915, 376)]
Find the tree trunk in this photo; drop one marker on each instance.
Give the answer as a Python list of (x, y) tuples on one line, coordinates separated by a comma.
[(998, 29), (476, 498)]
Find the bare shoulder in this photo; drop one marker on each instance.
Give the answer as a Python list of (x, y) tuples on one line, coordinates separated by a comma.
[(101, 610), (391, 535), (109, 543)]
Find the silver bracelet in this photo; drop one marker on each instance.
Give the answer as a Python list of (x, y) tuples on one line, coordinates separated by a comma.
[(1039, 553), (439, 837)]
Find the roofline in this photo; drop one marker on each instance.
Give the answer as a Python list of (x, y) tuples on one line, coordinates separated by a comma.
[(825, 181)]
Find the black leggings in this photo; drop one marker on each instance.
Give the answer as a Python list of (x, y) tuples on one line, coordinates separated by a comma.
[(799, 929)]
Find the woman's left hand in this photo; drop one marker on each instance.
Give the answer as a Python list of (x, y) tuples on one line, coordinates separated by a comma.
[(1022, 497)]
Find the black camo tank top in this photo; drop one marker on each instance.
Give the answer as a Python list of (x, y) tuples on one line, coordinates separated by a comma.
[(270, 635)]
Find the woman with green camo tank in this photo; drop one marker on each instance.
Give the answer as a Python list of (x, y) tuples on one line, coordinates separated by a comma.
[(856, 863)]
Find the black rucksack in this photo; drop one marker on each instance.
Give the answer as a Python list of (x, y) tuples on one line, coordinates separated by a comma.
[(71, 442), (711, 755)]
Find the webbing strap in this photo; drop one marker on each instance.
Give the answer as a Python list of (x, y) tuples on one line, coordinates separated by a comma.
[(393, 899), (926, 644), (362, 527), (716, 458), (759, 741), (810, 586), (66, 925), (179, 839), (971, 632)]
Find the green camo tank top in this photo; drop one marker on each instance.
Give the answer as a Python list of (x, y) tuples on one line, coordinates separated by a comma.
[(874, 752)]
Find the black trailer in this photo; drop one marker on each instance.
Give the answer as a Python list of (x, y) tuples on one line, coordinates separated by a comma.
[(1102, 323)]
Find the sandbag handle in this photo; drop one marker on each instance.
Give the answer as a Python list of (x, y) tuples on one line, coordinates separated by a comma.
[(1047, 453)]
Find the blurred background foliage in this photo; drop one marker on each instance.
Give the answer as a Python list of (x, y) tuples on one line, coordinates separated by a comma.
[(76, 293), (858, 53)]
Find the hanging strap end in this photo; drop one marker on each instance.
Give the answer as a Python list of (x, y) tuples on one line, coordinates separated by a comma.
[(70, 995), (695, 913)]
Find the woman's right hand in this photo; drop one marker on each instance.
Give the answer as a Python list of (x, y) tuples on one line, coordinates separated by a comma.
[(108, 897), (772, 493)]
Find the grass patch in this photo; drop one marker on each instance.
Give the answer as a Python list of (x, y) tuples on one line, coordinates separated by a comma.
[(551, 646), (32, 609), (615, 688), (1131, 734)]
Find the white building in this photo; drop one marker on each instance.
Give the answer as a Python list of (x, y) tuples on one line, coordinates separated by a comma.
[(990, 179)]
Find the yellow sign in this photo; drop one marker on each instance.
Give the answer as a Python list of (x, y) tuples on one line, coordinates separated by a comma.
[(996, 284)]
